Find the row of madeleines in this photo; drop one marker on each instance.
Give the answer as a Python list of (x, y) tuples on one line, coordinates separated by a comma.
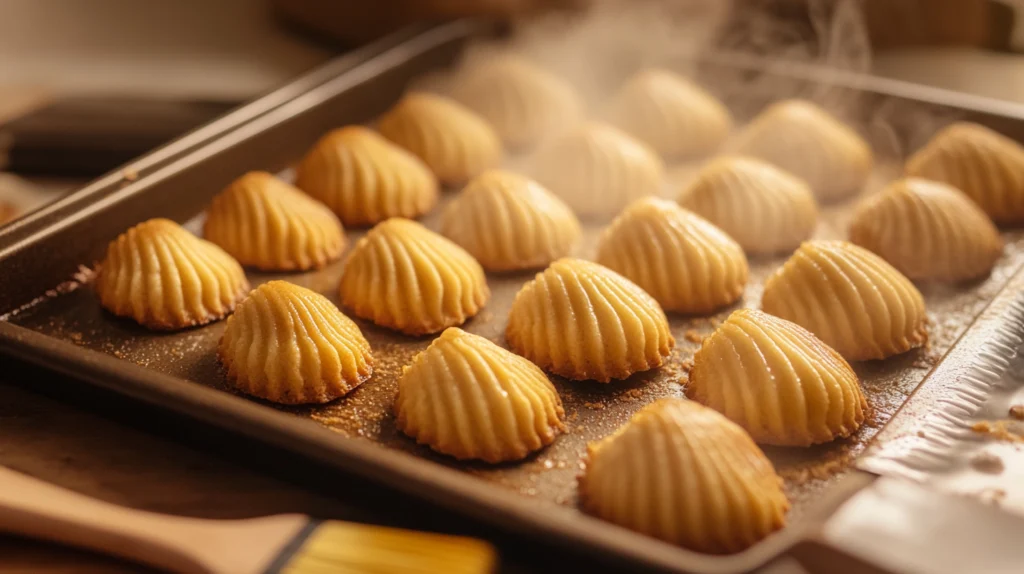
[(680, 471)]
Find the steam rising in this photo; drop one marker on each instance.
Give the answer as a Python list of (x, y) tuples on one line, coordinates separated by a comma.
[(727, 51)]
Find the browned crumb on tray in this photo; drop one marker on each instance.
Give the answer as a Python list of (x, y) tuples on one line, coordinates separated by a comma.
[(693, 336), (595, 406), (993, 496), (820, 471), (1017, 412), (998, 430), (129, 174), (987, 462)]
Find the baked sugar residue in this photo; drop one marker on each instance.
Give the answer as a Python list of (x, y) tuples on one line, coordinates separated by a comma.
[(999, 430)]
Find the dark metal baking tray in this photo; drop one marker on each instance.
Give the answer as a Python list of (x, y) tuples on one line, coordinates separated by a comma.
[(53, 320)]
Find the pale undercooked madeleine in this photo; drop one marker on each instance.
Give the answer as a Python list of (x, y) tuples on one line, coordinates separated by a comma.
[(687, 264), (290, 345), (405, 277), (454, 142), (165, 278), (584, 321), (468, 398), (523, 102), (776, 380), (672, 115), (366, 179), (850, 298), (684, 473), (763, 208), (927, 230), (598, 169), (508, 222), (265, 223), (984, 164), (805, 140)]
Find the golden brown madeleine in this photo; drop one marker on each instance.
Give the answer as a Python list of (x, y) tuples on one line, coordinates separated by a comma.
[(850, 298), (584, 321), (508, 221), (523, 102), (466, 397), (927, 230), (405, 277), (684, 473), (366, 179), (598, 170), (687, 264), (454, 142), (776, 380), (805, 140), (265, 223), (672, 115), (985, 165), (165, 278), (763, 208), (290, 345)]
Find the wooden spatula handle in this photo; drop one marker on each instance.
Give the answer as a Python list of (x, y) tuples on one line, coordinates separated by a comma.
[(34, 508)]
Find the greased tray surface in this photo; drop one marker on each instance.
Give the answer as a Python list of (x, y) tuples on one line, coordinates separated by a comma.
[(593, 409), (47, 249)]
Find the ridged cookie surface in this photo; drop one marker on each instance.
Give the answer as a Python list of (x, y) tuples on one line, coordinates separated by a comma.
[(266, 223), (165, 278), (684, 473), (405, 277), (982, 163), (584, 321), (763, 208), (468, 398), (366, 179), (687, 264), (508, 221), (776, 380), (454, 142), (290, 345), (849, 298)]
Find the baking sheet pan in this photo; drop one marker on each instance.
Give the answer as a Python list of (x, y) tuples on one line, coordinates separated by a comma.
[(60, 324)]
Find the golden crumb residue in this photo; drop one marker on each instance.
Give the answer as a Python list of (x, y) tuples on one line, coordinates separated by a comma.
[(1017, 412), (693, 336), (999, 430)]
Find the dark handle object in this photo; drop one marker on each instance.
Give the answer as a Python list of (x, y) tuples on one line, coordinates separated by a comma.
[(89, 136)]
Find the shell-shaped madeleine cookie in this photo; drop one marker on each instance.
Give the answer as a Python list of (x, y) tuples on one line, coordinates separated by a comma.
[(850, 298), (985, 165), (598, 169), (265, 223), (405, 277), (165, 278), (810, 143), (366, 179), (776, 380), (290, 345), (508, 221), (466, 397), (763, 208), (927, 230), (584, 321), (684, 473), (687, 264), (670, 114), (523, 102), (454, 142)]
